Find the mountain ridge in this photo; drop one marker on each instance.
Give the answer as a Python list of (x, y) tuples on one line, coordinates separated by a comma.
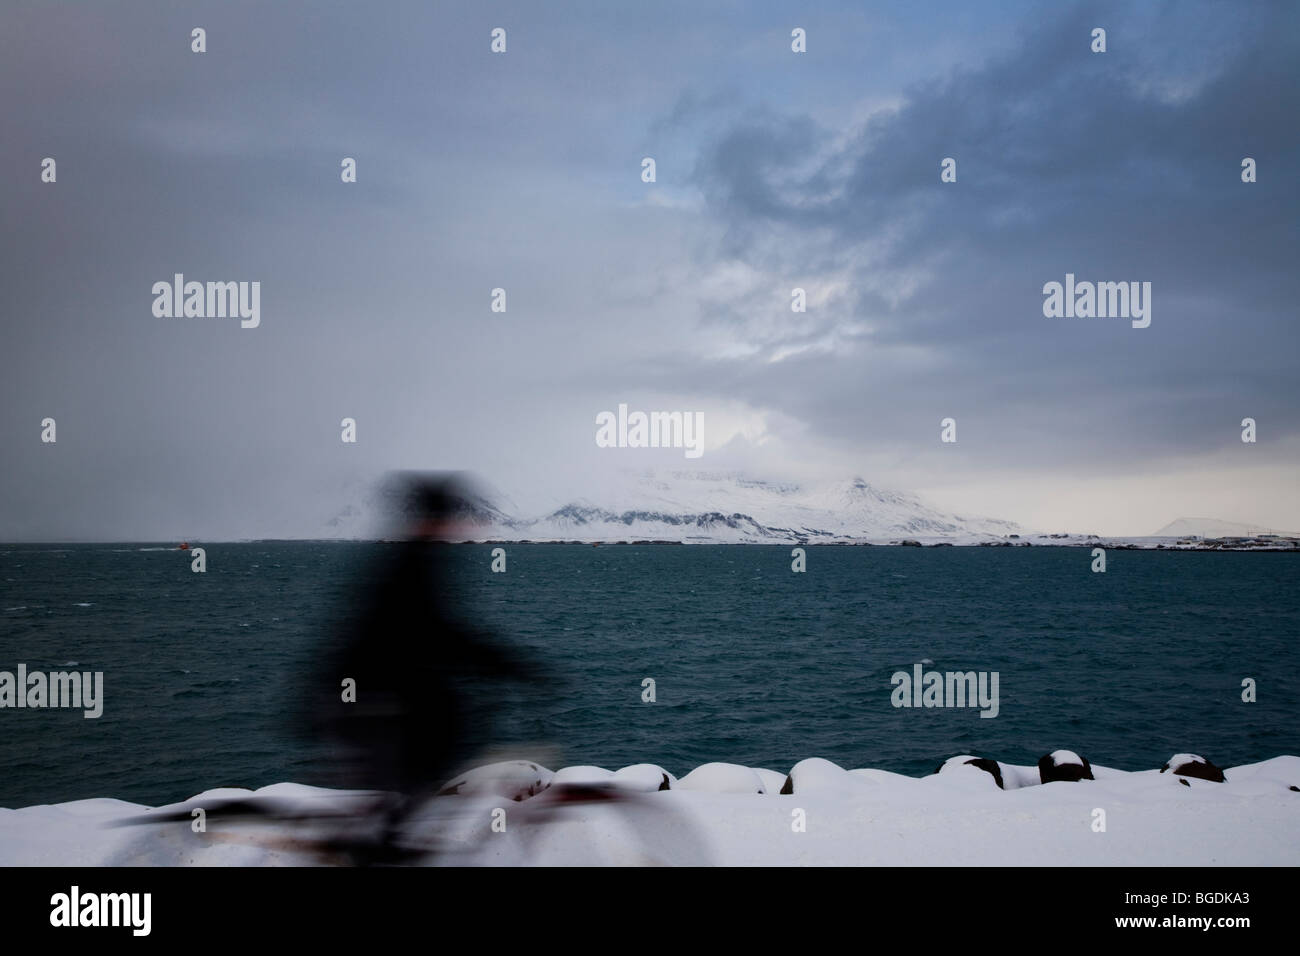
[(726, 507), (1214, 528)]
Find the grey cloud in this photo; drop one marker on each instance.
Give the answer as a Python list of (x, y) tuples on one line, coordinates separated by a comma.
[(1068, 162)]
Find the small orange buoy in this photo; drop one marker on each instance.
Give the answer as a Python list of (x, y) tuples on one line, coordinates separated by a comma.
[(183, 546)]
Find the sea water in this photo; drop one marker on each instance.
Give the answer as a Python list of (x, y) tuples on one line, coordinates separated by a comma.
[(751, 663)]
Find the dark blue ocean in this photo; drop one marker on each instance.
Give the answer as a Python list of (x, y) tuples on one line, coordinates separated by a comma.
[(752, 663)]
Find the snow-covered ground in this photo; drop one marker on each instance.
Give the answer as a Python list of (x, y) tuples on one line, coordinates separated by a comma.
[(725, 814)]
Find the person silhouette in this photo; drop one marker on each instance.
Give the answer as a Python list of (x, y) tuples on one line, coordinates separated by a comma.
[(423, 679)]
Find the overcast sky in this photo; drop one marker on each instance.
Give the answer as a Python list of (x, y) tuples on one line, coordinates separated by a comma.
[(522, 170)]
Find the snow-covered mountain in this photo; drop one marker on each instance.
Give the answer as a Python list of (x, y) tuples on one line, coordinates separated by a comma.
[(703, 507), (1212, 528)]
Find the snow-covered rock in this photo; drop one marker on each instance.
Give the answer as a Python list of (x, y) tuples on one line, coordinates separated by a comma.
[(1015, 776), (966, 764), (1193, 765), (514, 779), (1063, 765), (643, 778), (816, 775), (723, 778), (583, 777)]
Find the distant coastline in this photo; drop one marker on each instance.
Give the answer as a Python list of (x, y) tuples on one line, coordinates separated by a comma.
[(1262, 543)]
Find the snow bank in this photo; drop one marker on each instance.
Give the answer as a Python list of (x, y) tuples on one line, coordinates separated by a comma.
[(727, 814)]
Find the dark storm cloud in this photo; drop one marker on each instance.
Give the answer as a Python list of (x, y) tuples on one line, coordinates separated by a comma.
[(1115, 166)]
